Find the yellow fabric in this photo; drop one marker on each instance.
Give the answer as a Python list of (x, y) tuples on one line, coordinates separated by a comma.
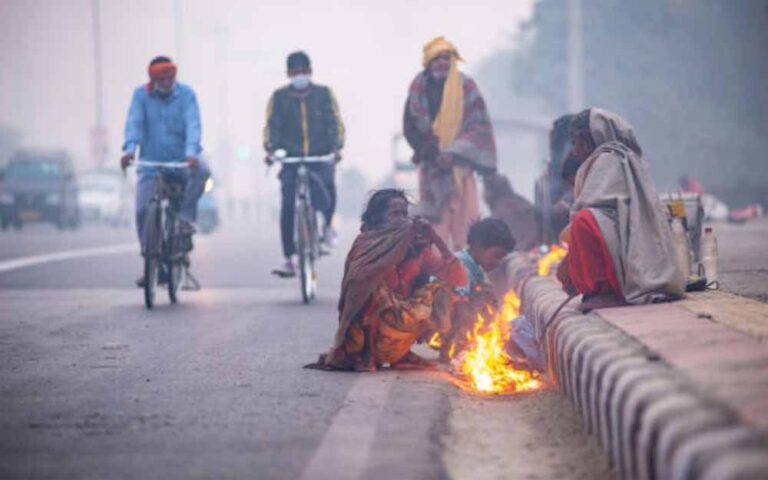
[(435, 47), (448, 120)]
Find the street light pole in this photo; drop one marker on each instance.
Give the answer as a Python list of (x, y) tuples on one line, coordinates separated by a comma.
[(224, 160), (178, 15), (575, 57), (99, 130)]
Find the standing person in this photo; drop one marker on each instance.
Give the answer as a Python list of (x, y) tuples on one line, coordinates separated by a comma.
[(447, 125), (303, 120), (164, 125), (620, 245)]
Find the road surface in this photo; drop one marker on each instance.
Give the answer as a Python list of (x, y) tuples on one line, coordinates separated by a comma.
[(92, 385)]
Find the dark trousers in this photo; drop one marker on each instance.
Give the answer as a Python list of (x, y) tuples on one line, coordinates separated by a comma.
[(194, 185), (323, 196)]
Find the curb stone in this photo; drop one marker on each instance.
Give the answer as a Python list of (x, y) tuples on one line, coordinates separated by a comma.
[(655, 422)]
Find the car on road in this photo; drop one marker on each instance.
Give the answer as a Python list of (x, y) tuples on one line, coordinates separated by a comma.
[(105, 196), (207, 209), (39, 186)]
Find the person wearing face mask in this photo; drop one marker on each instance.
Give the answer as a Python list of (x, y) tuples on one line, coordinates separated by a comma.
[(164, 125), (446, 122), (303, 119)]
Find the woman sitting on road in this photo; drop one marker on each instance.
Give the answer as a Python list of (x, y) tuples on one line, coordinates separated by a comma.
[(620, 244), (382, 308)]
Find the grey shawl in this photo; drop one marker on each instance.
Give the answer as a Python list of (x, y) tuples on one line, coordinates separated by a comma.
[(615, 185)]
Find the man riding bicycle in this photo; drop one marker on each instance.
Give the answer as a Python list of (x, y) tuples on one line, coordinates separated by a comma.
[(303, 120), (164, 124)]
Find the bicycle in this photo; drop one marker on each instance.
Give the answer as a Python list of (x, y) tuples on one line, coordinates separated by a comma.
[(165, 251), (305, 231)]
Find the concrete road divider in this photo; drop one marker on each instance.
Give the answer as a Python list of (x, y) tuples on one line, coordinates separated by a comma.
[(669, 393)]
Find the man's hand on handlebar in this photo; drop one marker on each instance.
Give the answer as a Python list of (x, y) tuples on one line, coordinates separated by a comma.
[(337, 156), (193, 162), (269, 160), (126, 160)]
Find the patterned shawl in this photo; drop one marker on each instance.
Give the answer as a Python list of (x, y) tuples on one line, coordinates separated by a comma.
[(473, 147), (374, 253)]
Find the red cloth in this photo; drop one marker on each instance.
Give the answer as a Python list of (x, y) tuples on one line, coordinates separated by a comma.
[(427, 262), (590, 266), (160, 68)]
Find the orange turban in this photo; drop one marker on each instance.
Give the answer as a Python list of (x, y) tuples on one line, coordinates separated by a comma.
[(161, 67)]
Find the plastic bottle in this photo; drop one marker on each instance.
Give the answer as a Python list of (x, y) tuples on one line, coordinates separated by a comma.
[(681, 247), (708, 249)]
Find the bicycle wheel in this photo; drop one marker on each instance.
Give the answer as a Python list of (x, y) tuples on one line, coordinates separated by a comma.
[(152, 252), (174, 280), (305, 246)]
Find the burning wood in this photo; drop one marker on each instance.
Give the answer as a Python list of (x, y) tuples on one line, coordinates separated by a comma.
[(480, 360), (551, 259), (485, 364)]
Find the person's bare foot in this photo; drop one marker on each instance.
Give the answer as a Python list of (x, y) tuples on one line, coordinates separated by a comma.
[(411, 361), (364, 365)]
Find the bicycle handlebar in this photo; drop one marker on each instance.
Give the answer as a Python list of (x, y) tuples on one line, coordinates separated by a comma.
[(311, 159), (149, 163)]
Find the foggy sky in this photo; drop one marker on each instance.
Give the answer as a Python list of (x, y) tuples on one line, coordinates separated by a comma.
[(233, 54)]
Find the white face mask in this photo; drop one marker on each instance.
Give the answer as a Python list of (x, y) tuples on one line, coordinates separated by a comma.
[(301, 81)]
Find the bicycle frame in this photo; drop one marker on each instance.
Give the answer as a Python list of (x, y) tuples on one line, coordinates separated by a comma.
[(305, 229), (163, 247)]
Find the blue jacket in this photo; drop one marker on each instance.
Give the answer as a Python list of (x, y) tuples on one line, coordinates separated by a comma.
[(475, 273), (165, 129)]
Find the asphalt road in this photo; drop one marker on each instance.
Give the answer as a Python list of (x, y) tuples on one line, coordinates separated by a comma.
[(94, 386), (743, 255)]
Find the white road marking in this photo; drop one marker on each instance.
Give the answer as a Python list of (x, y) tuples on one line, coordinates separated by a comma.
[(33, 260), (343, 452)]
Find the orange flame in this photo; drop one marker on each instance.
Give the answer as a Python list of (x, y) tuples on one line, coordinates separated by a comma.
[(435, 341), (485, 363), (555, 255)]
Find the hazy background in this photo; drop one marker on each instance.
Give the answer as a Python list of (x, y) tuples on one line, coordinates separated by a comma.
[(689, 74), (233, 54)]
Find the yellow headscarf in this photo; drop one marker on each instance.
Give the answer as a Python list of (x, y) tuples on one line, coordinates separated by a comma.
[(448, 120)]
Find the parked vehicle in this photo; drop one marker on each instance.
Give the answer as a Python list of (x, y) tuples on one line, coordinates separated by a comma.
[(404, 173), (39, 186), (207, 210), (105, 196)]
